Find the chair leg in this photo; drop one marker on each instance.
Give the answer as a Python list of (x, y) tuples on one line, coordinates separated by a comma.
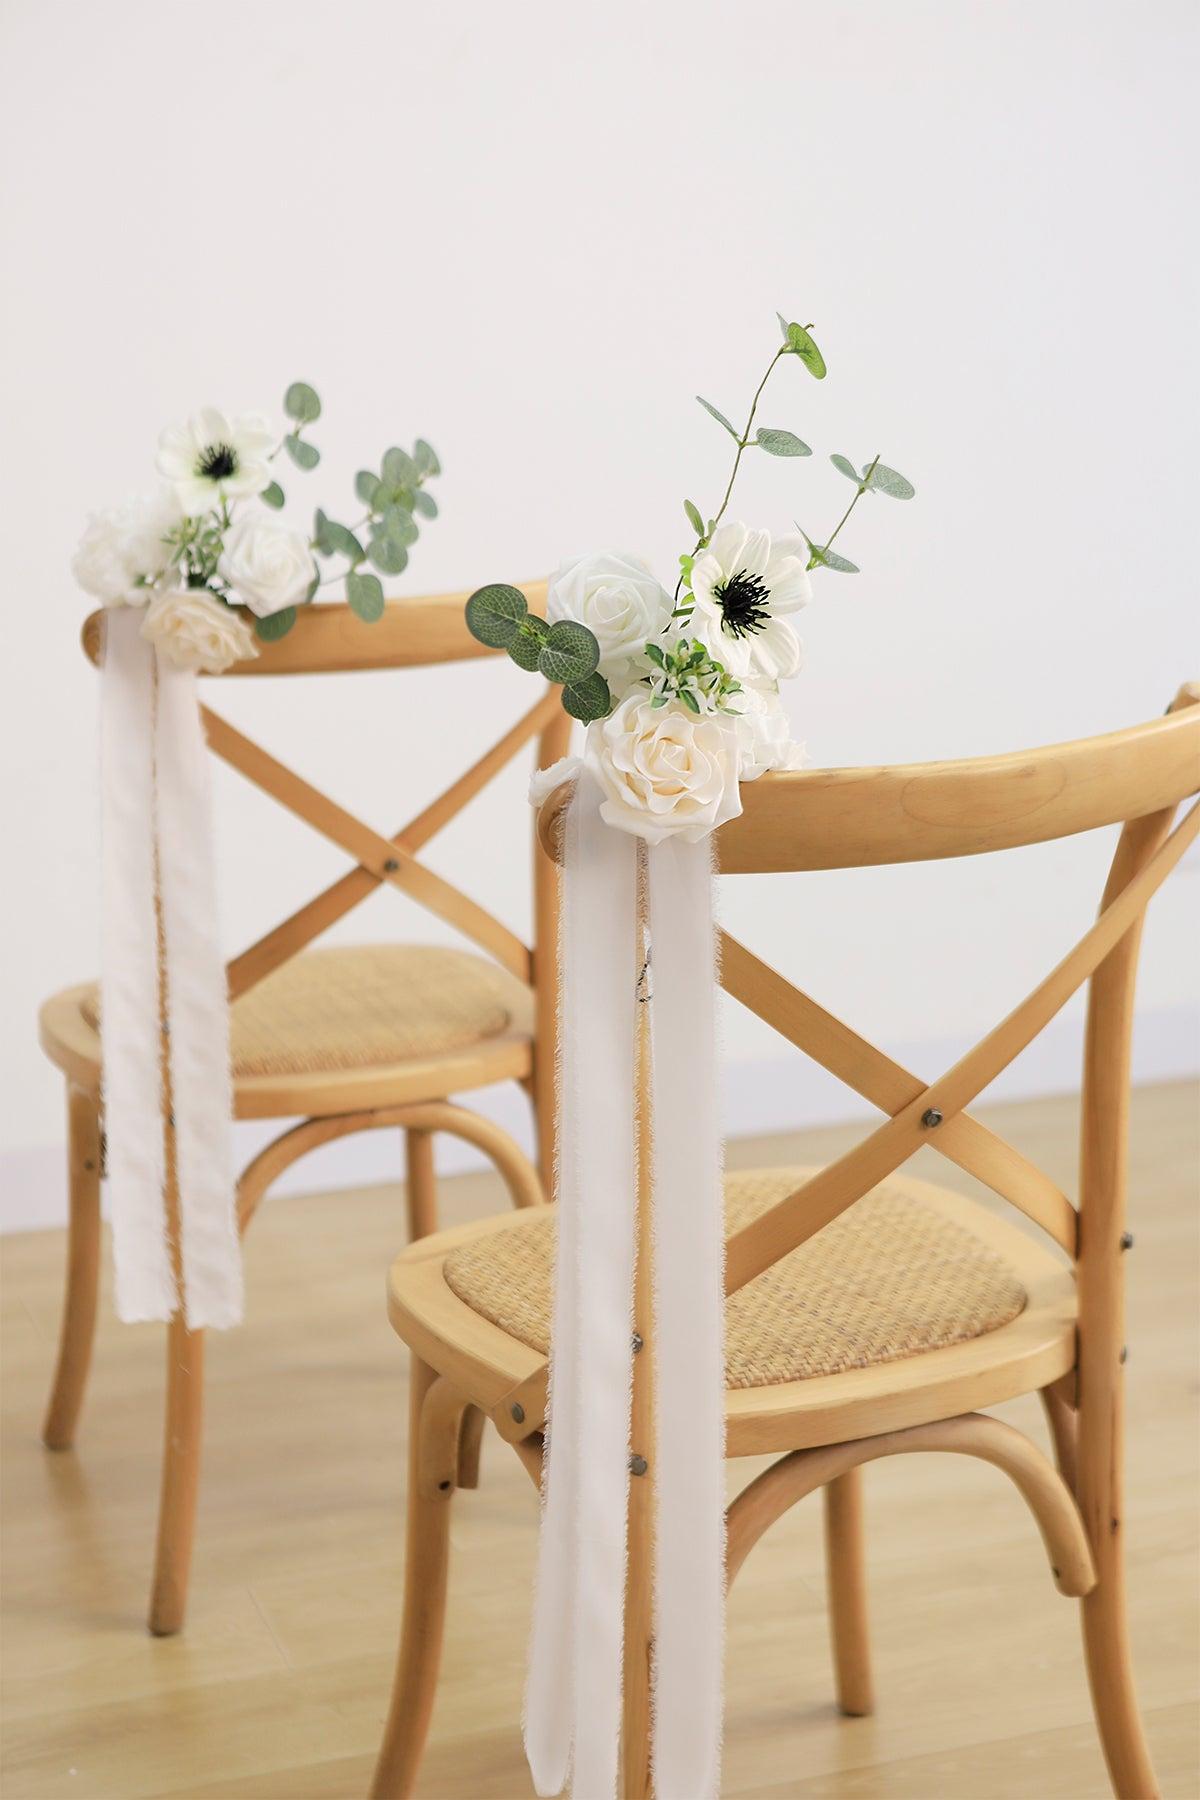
[(846, 1575), (83, 1271), (180, 1478), (420, 1183), (433, 1463), (1110, 1676)]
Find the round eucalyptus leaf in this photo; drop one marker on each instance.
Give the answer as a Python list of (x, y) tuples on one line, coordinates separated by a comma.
[(426, 458), (320, 533), (781, 443), (587, 700), (303, 454), (425, 503), (846, 468), (783, 326), (494, 613), (388, 557), (396, 523), (889, 481), (272, 495), (804, 347), (366, 486), (342, 541), (314, 584), (695, 518), (301, 403), (399, 469), (525, 647), (570, 652), (718, 416), (275, 625), (364, 596)]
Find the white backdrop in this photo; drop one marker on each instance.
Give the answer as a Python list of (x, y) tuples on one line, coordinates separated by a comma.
[(532, 234)]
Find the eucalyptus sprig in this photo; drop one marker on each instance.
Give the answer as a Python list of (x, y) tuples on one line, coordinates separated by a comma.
[(876, 478), (395, 498), (565, 652)]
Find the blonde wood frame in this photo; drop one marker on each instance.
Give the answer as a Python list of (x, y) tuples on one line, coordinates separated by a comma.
[(412, 1096), (1067, 1345)]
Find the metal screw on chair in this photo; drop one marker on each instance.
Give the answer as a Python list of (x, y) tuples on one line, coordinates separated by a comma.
[(638, 1342), (931, 1119), (518, 1413), (390, 866), (1124, 1356), (638, 1465), (1127, 1240)]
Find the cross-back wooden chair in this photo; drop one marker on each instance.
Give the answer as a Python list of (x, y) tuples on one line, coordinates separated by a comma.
[(347, 1040), (914, 1307)]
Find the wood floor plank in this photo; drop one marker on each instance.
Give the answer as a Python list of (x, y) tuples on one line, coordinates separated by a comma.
[(277, 1689)]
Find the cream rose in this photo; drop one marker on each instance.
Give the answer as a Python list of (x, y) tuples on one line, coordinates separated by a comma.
[(620, 602), (665, 771), (266, 563), (197, 631), (764, 734), (124, 549)]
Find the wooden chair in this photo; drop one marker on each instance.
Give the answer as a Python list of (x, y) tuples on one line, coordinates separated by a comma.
[(348, 1040), (914, 1307)]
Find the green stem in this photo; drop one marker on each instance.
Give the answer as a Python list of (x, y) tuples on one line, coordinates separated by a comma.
[(743, 443), (814, 562)]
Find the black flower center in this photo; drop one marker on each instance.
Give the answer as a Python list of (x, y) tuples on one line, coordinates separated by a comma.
[(217, 462), (745, 603)]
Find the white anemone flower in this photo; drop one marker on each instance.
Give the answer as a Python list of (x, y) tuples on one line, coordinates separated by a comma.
[(213, 458), (743, 585)]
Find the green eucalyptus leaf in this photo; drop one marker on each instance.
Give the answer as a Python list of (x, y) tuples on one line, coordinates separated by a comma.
[(425, 504), (301, 403), (321, 533), (275, 625), (366, 486), (888, 481), (846, 468), (525, 647), (272, 495), (695, 518), (398, 525), (570, 653), (303, 454), (781, 443), (364, 595), (829, 559), (314, 584), (426, 458), (783, 326), (718, 416), (804, 347), (342, 541), (494, 613), (388, 557), (587, 700), (399, 469)]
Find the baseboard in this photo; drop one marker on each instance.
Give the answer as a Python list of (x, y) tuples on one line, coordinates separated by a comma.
[(778, 1093)]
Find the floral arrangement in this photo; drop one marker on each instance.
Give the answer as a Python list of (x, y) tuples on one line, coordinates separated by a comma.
[(210, 564), (680, 692)]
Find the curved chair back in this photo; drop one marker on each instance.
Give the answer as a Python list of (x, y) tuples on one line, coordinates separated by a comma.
[(417, 633)]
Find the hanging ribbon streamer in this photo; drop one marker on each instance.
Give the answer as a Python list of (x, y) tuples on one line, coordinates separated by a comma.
[(573, 1695), (159, 887)]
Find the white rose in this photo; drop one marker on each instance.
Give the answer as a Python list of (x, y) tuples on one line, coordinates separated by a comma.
[(195, 630), (764, 734), (268, 565), (620, 602), (665, 771), (124, 549)]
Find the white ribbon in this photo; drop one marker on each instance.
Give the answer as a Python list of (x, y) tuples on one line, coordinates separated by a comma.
[(157, 828), (573, 1694)]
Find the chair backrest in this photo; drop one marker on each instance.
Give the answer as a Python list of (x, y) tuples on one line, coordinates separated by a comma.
[(330, 639), (855, 818)]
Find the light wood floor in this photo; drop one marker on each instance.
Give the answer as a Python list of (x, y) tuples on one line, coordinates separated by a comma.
[(276, 1691)]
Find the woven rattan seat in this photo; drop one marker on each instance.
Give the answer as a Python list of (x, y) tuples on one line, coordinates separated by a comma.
[(890, 1278), (367, 1006)]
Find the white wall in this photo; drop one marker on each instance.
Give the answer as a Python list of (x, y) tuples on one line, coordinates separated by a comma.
[(532, 234)]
